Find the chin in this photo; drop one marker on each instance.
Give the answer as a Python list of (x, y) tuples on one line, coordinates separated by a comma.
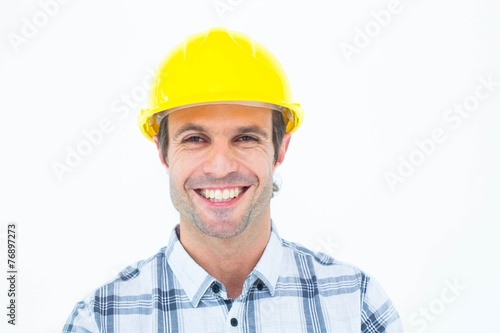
[(222, 230)]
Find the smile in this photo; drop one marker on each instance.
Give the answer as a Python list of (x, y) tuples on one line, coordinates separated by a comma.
[(221, 194)]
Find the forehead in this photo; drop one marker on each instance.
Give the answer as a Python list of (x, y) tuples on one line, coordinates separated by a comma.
[(226, 115)]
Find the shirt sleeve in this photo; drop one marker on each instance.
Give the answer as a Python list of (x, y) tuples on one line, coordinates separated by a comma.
[(378, 314), (81, 320)]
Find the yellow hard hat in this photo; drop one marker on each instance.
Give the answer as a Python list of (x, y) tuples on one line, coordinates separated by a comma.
[(218, 66)]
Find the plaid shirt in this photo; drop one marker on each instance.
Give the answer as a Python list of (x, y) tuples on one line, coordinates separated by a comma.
[(290, 290)]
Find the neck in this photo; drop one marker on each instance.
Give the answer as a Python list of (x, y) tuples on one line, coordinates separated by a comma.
[(229, 260)]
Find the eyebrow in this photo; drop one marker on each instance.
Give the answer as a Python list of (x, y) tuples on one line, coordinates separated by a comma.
[(189, 127), (240, 130), (253, 129)]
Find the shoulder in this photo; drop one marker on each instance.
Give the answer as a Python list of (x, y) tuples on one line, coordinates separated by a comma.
[(134, 280), (324, 268), (123, 292), (142, 267), (320, 260), (333, 278)]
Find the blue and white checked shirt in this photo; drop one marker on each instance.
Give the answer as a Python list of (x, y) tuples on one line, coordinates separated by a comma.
[(290, 290)]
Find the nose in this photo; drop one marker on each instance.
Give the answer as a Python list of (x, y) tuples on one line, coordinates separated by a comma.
[(220, 161)]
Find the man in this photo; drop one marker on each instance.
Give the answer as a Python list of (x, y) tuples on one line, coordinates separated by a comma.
[(221, 116)]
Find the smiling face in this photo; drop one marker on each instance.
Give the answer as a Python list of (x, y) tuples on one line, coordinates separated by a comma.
[(220, 159)]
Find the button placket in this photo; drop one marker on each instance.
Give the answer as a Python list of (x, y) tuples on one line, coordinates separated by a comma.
[(234, 316)]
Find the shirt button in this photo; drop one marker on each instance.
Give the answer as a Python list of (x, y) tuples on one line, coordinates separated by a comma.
[(234, 322), (215, 288), (260, 286)]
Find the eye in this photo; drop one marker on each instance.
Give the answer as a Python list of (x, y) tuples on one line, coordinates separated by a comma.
[(194, 139), (247, 138)]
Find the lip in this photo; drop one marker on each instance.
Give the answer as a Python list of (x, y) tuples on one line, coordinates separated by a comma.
[(241, 189)]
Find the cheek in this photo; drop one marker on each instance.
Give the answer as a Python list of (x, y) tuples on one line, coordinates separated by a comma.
[(257, 161), (180, 165)]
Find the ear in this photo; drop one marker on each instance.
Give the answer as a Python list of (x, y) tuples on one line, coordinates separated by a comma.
[(283, 148), (163, 159)]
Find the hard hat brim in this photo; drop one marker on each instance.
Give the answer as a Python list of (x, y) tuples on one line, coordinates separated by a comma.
[(150, 118)]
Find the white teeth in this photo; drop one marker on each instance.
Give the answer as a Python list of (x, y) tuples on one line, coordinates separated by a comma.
[(220, 195)]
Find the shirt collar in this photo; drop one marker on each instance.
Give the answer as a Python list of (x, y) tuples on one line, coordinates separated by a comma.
[(191, 276), (269, 266), (195, 280)]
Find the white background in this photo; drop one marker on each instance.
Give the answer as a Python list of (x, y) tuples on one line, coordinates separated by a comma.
[(431, 240)]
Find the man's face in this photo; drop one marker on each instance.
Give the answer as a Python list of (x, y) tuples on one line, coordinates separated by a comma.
[(220, 163)]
